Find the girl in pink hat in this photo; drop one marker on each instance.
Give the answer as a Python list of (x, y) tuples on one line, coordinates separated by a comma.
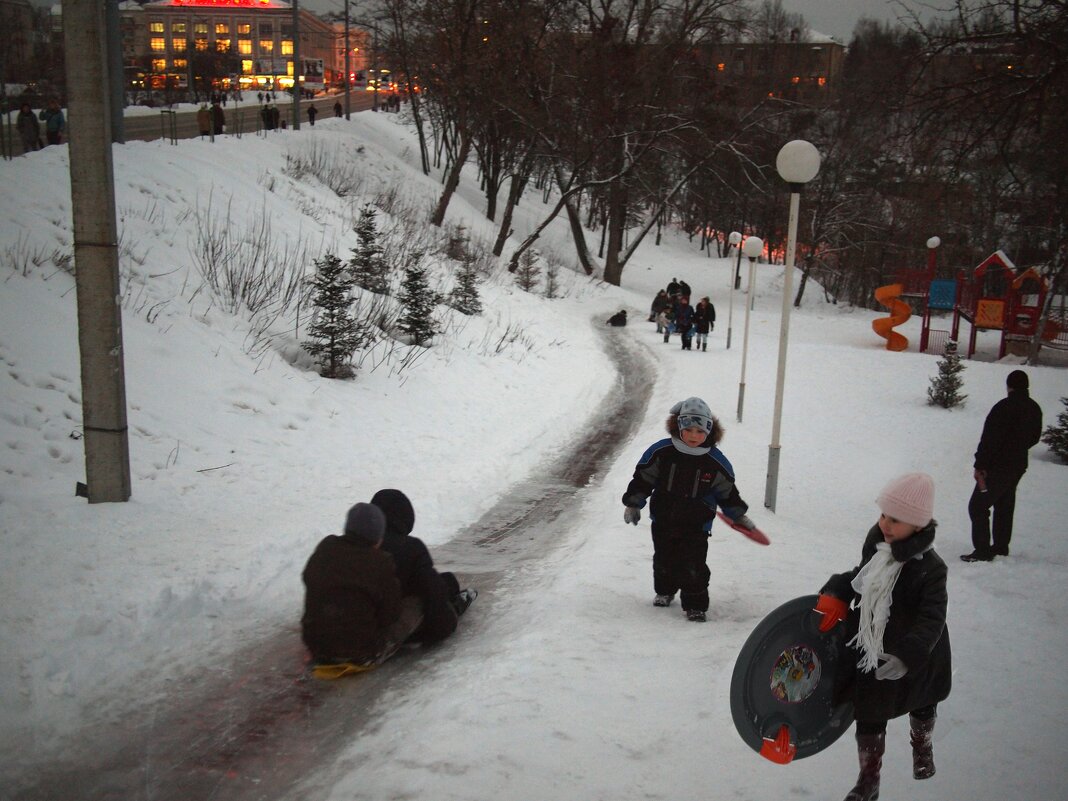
[(894, 607)]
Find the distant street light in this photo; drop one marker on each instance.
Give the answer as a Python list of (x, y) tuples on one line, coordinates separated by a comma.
[(734, 239), (753, 247), (797, 163)]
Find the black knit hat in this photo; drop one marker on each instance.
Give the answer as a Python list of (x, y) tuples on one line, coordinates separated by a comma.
[(1017, 380), (400, 516), (365, 522)]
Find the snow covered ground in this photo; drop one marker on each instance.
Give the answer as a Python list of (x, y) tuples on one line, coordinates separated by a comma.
[(568, 683)]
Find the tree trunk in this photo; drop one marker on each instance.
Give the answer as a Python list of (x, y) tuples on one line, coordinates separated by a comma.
[(515, 186), (575, 219), (617, 224), (453, 178)]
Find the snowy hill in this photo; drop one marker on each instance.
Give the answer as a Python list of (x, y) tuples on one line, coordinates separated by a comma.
[(565, 681)]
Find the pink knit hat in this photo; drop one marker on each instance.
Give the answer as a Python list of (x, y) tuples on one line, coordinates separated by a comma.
[(909, 498)]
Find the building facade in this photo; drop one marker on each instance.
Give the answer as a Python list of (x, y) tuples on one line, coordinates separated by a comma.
[(225, 45)]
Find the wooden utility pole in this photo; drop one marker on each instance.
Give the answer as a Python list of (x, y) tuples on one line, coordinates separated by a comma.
[(96, 253)]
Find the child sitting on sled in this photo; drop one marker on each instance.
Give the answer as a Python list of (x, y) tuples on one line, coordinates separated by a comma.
[(354, 612), (897, 628), (687, 477)]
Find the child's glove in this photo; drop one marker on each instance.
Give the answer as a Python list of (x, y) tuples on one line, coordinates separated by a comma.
[(632, 514), (892, 669), (833, 610), (745, 522)]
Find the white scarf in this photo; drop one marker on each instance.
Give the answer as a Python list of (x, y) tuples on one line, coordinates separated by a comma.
[(874, 583)]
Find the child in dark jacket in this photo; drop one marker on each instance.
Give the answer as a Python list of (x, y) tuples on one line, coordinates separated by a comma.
[(442, 599), (353, 608), (687, 477), (897, 628)]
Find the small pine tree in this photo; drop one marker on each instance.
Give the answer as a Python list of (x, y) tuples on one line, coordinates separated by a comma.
[(464, 296), (945, 387), (1057, 436), (418, 300), (334, 335), (369, 270), (526, 274)]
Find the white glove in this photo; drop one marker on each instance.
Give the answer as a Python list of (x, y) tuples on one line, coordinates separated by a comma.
[(745, 522), (892, 669), (632, 514)]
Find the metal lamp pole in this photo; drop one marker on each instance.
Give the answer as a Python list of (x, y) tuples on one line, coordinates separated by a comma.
[(753, 247), (348, 67), (735, 239), (797, 163)]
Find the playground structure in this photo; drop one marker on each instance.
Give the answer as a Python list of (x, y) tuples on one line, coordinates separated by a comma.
[(992, 297)]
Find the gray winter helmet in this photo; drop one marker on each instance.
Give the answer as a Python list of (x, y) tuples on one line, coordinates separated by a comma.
[(693, 413)]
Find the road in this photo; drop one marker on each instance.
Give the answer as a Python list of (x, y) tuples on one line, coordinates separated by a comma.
[(241, 118), (251, 729)]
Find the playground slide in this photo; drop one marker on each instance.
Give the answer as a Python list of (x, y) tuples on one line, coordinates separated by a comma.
[(900, 311)]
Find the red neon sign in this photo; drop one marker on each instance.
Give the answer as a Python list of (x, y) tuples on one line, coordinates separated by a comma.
[(223, 3)]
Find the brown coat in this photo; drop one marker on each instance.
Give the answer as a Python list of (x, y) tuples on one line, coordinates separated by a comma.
[(352, 597)]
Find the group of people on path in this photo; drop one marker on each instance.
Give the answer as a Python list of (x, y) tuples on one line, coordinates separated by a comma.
[(211, 121), (893, 604), (673, 312), (29, 126)]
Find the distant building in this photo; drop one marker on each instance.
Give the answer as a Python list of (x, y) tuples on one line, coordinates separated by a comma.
[(17, 40), (806, 68)]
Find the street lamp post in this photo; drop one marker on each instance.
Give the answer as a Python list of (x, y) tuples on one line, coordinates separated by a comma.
[(797, 163), (753, 247), (348, 64), (735, 239)]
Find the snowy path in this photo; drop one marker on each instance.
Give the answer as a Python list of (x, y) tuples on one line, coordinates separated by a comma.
[(255, 727)]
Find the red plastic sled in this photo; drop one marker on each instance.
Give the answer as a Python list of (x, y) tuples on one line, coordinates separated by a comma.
[(755, 534)]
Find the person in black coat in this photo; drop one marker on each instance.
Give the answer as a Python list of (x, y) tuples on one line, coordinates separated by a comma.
[(618, 319), (1012, 427), (896, 628), (442, 599), (704, 321), (354, 611)]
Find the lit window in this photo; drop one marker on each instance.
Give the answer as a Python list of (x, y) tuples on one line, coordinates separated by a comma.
[(180, 64), (178, 27), (158, 44), (222, 28), (222, 45), (244, 28), (822, 81), (266, 45), (289, 68), (795, 80), (244, 47), (246, 66), (201, 45), (178, 45), (287, 47), (155, 27), (720, 67), (159, 65), (200, 28)]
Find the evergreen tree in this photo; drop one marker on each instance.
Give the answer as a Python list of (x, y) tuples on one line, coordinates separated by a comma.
[(418, 300), (334, 335), (527, 272), (945, 387), (464, 296), (1057, 436), (369, 270)]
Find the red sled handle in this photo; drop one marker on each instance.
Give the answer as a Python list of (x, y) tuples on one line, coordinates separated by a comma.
[(780, 750), (755, 534)]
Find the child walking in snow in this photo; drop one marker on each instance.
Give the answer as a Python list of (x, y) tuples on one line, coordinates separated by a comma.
[(896, 629), (687, 477)]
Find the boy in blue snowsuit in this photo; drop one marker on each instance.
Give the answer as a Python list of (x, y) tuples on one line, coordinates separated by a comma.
[(687, 477)]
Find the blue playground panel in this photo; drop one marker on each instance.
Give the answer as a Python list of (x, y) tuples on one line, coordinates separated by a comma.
[(942, 295)]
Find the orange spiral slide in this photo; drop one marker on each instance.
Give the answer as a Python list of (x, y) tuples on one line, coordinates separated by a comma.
[(890, 296)]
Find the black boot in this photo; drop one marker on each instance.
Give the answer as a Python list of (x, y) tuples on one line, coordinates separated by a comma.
[(923, 766), (704, 346), (870, 748)]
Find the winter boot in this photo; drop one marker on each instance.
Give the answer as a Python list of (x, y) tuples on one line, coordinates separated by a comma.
[(870, 748), (704, 346), (663, 600), (696, 615), (923, 766), (462, 600)]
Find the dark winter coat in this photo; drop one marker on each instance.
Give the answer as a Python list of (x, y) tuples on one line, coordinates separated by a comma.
[(29, 130), (351, 598), (916, 632), (415, 568), (218, 119), (204, 120), (1013, 426), (684, 289), (704, 317), (683, 317), (660, 302), (686, 488), (618, 319)]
